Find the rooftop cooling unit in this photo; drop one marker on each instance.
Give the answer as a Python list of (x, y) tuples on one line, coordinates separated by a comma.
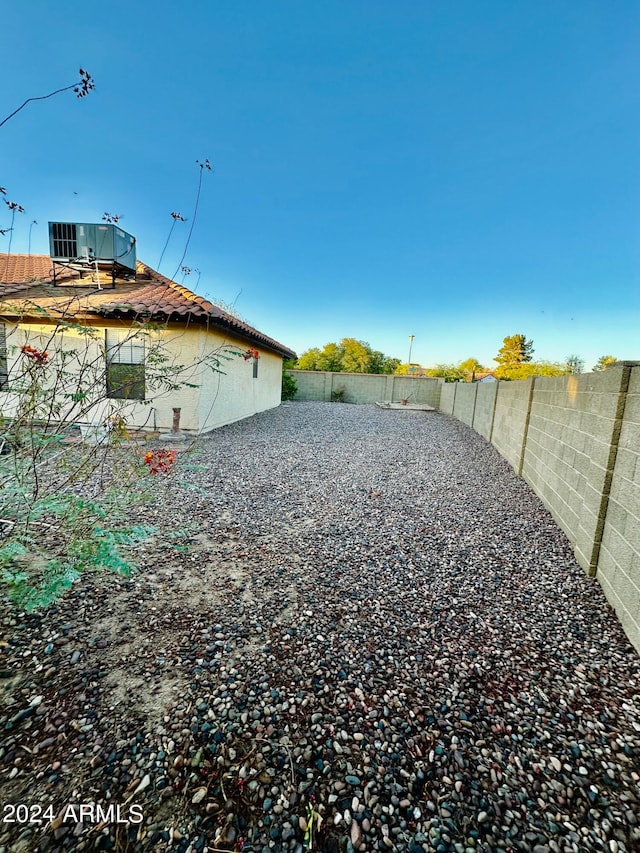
[(89, 243)]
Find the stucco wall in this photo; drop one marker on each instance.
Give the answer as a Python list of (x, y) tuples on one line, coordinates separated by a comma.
[(366, 387), (217, 399), (236, 394), (576, 441)]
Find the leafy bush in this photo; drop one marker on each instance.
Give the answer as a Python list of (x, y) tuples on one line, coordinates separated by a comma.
[(64, 502), (289, 386)]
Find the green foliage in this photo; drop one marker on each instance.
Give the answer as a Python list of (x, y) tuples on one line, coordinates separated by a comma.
[(471, 366), (63, 504), (381, 363), (349, 356), (535, 368), (604, 362), (192, 487), (405, 369), (463, 372), (356, 356), (84, 534), (515, 351), (448, 372), (338, 395), (574, 364), (289, 386)]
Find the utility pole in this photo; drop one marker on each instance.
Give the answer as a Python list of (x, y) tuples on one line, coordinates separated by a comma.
[(411, 337)]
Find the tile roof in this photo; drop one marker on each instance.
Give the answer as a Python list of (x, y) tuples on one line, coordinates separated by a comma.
[(25, 269), (29, 279)]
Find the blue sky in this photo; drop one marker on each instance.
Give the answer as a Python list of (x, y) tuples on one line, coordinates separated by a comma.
[(459, 171)]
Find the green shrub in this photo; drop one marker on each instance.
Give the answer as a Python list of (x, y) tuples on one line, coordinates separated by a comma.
[(64, 504), (289, 386)]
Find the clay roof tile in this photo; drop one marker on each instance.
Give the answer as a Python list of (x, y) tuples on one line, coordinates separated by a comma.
[(26, 278)]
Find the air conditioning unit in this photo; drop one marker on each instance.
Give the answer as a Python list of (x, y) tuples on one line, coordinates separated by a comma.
[(90, 243)]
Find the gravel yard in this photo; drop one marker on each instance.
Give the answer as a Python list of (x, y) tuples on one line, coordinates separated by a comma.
[(346, 613)]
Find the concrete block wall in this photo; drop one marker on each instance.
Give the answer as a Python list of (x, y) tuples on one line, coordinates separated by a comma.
[(511, 419), (312, 385), (448, 397), (568, 458), (464, 405), (486, 398), (576, 441), (618, 567), (366, 387), (416, 389), (358, 387)]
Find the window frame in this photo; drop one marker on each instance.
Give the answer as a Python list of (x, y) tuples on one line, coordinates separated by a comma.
[(127, 353)]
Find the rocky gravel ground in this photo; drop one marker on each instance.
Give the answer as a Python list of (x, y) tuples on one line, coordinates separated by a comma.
[(353, 630)]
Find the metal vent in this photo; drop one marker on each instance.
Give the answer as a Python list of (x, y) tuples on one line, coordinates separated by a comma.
[(65, 240), (92, 243)]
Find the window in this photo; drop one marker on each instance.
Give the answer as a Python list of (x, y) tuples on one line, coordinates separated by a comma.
[(255, 368), (4, 367), (125, 365)]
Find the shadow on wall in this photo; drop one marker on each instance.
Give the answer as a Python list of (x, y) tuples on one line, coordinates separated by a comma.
[(576, 441)]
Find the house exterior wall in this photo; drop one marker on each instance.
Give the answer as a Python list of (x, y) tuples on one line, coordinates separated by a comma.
[(42, 337), (217, 399), (235, 393), (155, 412)]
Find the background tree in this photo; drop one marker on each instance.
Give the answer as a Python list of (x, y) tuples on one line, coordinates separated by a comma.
[(309, 360), (381, 363), (330, 358), (574, 365), (356, 356), (327, 358), (471, 366), (448, 372), (349, 356), (533, 368), (402, 369), (604, 361), (515, 351)]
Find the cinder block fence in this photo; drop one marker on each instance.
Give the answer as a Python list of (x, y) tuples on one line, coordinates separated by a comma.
[(576, 441), (366, 387)]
